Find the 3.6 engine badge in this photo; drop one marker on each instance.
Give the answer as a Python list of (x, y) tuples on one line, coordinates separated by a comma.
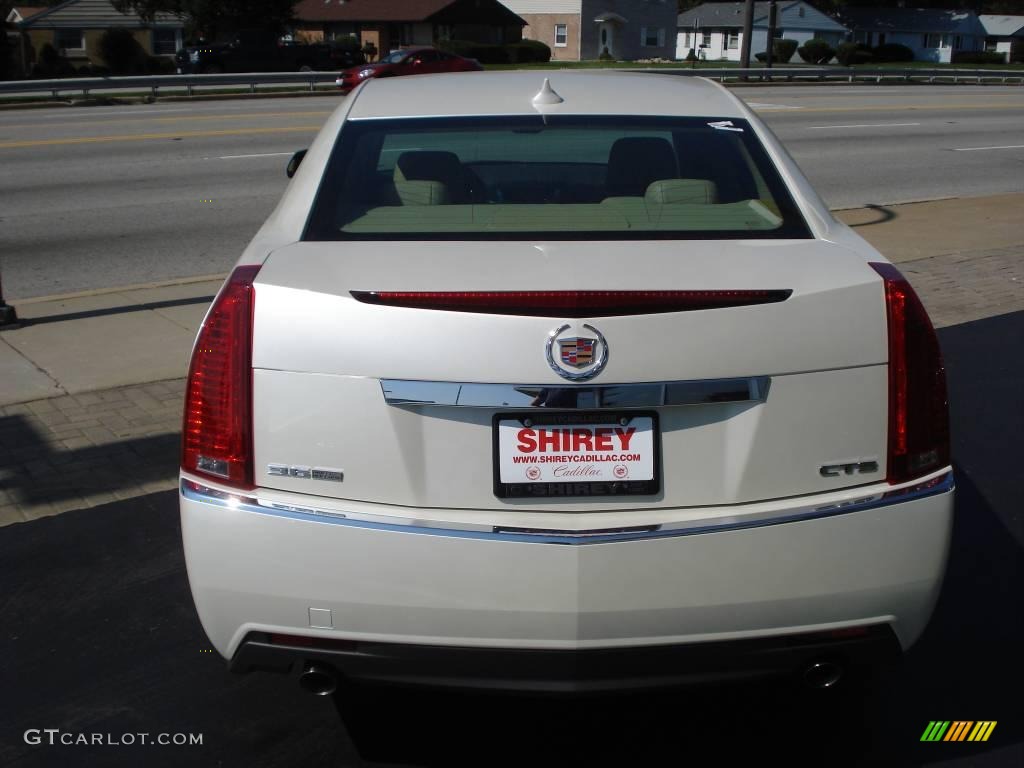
[(305, 473)]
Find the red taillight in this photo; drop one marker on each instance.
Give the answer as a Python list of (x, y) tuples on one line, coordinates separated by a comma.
[(571, 303), (918, 409), (217, 433)]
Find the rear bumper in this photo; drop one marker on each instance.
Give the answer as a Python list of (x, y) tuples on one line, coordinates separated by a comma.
[(288, 570), (568, 672)]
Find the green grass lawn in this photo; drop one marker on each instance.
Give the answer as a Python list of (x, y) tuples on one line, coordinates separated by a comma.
[(614, 65), (933, 65)]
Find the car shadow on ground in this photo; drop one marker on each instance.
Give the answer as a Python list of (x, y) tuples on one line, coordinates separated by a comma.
[(99, 635)]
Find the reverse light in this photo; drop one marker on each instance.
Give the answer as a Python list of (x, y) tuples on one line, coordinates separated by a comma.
[(571, 303), (918, 407), (217, 430)]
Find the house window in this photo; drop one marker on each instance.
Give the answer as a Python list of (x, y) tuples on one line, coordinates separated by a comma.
[(705, 40), (561, 35), (69, 39), (935, 40), (733, 41), (165, 42), (651, 37), (958, 42)]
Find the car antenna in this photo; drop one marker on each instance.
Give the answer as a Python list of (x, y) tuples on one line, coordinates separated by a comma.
[(546, 96)]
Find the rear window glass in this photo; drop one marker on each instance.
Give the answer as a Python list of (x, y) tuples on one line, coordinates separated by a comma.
[(551, 177)]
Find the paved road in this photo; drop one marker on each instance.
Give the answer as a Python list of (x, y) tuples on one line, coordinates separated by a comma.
[(99, 636), (108, 196)]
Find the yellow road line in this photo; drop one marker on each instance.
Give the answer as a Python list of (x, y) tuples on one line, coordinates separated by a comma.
[(148, 136), (177, 118), (798, 110)]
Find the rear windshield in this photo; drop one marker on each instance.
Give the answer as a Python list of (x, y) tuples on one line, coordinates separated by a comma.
[(551, 177)]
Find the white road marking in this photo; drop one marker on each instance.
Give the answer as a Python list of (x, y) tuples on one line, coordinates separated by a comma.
[(265, 154), (760, 105), (863, 125), (979, 149)]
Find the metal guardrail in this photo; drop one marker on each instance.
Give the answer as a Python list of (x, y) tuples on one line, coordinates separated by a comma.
[(847, 74), (154, 83)]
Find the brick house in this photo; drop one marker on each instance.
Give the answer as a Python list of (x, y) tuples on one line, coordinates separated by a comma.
[(400, 23)]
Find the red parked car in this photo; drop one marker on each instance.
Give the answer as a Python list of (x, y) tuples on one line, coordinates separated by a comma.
[(408, 61)]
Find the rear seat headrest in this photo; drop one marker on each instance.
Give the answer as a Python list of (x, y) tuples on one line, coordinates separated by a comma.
[(677, 191)]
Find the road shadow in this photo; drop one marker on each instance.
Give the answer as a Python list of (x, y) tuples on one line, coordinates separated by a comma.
[(883, 214), (147, 306), (36, 468)]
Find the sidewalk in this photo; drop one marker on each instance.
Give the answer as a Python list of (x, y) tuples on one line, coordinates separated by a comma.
[(91, 386)]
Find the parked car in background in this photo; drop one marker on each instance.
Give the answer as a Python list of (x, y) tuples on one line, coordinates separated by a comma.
[(255, 54), (408, 61), (526, 386)]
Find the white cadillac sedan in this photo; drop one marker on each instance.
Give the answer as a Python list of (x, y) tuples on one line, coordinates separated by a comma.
[(561, 385)]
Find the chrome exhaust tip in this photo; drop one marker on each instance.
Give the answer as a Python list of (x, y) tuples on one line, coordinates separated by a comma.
[(318, 679), (822, 674)]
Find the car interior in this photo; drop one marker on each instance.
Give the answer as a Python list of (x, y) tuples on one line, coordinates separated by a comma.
[(681, 180)]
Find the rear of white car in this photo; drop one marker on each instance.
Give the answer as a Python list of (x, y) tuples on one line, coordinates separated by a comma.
[(551, 390)]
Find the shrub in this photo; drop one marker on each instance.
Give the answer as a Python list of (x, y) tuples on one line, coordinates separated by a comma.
[(892, 52), (121, 52), (159, 65), (539, 51), (816, 51), (52, 64), (978, 57), (782, 51), (605, 55), (849, 54), (692, 55), (485, 53)]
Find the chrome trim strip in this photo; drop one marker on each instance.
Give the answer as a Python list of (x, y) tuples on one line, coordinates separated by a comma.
[(199, 493), (403, 392)]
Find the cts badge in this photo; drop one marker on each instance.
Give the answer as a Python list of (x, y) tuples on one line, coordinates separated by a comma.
[(579, 357)]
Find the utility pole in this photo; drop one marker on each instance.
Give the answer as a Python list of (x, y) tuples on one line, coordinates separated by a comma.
[(8, 317), (748, 31), (769, 52)]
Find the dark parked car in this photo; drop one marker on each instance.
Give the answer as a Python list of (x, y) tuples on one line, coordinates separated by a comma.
[(408, 61), (261, 55)]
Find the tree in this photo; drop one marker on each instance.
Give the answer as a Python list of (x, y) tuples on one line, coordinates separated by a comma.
[(217, 18)]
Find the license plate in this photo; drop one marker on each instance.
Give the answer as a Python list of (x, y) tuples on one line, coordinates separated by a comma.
[(576, 454)]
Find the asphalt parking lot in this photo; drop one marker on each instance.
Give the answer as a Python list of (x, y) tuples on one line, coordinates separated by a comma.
[(100, 636)]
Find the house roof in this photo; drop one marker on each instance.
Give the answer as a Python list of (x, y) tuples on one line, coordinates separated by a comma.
[(369, 10), (22, 12), (93, 14), (396, 10), (912, 20), (730, 15), (998, 25)]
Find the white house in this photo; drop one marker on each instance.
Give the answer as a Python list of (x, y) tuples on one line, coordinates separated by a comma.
[(1004, 34), (933, 34), (714, 31)]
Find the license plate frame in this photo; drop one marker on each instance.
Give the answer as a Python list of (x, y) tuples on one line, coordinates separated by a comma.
[(594, 490)]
